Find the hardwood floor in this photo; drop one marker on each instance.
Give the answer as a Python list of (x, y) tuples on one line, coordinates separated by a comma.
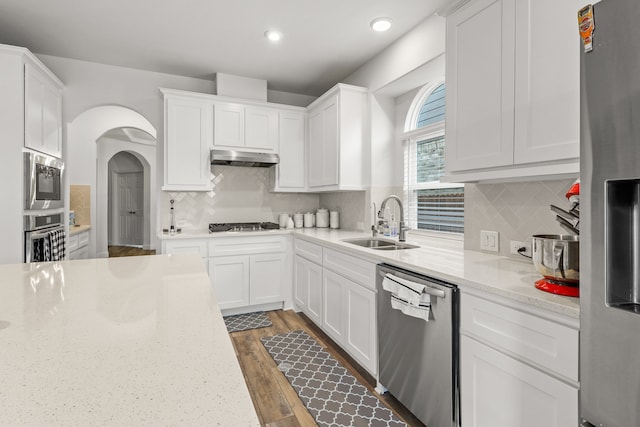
[(276, 402), (117, 251)]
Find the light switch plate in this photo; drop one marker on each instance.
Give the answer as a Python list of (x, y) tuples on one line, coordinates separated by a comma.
[(489, 240)]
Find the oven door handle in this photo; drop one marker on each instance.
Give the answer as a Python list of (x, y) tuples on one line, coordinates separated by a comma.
[(43, 233)]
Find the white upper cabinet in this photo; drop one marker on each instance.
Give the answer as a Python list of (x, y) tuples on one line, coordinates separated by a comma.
[(261, 128), (42, 111), (290, 172), (547, 90), (335, 155), (246, 127), (512, 90), (188, 140)]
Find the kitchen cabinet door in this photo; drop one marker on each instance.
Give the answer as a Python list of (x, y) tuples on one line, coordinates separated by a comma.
[(230, 280), (308, 288), (337, 123), (267, 278), (315, 174), (547, 90), (301, 283), (229, 125), (361, 330), (323, 144), (512, 91), (315, 302), (243, 126), (500, 391), (333, 319), (261, 129), (290, 172), (43, 113), (188, 131), (480, 86)]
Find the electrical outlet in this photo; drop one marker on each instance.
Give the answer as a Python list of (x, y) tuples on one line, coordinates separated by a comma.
[(516, 245), (489, 240)]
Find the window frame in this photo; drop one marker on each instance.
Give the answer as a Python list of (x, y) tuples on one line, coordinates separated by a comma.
[(409, 140)]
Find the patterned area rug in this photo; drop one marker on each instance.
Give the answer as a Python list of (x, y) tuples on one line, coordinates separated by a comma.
[(243, 322), (332, 395)]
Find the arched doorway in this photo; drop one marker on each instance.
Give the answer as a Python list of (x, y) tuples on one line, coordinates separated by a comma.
[(125, 224), (93, 138)]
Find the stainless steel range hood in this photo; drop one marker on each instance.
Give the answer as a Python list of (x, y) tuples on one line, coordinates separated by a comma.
[(243, 158)]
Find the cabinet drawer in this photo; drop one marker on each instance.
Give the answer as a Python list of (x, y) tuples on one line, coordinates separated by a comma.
[(308, 250), (183, 246), (360, 271), (247, 245), (544, 342)]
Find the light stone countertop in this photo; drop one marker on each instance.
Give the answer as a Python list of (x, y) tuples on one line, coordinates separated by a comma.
[(120, 341), (444, 259), (447, 260), (77, 229)]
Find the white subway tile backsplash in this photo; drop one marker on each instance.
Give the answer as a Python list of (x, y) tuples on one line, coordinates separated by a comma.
[(239, 195)]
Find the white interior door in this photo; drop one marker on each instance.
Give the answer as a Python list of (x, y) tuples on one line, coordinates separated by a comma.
[(130, 193)]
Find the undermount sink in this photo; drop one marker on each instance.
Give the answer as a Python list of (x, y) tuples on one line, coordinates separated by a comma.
[(380, 244)]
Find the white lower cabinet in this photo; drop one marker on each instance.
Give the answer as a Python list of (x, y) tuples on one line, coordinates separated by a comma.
[(248, 272), (337, 291), (307, 290), (333, 319), (349, 317), (360, 335), (518, 367), (229, 276), (247, 280), (266, 277), (78, 246), (500, 391)]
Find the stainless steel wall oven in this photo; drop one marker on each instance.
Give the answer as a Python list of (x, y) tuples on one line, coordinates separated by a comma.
[(44, 237), (43, 184)]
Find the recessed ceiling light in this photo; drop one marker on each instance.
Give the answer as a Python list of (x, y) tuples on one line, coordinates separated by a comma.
[(381, 24), (273, 35)]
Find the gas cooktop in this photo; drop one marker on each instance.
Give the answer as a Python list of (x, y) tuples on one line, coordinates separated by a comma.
[(242, 226)]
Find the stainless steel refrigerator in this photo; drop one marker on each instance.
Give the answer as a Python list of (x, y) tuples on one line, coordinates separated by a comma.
[(610, 219)]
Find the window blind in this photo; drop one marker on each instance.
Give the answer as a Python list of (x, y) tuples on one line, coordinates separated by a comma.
[(431, 205)]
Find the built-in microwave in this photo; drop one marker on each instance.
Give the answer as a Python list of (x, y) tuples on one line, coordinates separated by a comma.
[(43, 184)]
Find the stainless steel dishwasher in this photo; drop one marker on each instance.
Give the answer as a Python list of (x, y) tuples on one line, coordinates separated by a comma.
[(418, 359)]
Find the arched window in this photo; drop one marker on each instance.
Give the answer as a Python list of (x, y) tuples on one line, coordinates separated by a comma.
[(432, 205)]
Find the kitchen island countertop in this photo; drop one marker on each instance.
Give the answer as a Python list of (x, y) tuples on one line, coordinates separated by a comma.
[(120, 341)]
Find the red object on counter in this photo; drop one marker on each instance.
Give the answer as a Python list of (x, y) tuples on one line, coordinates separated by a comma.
[(558, 288), (573, 194)]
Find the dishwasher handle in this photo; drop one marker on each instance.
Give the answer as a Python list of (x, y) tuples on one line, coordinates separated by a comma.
[(427, 290)]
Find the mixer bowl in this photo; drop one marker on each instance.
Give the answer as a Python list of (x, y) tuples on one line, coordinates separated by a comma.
[(557, 256)]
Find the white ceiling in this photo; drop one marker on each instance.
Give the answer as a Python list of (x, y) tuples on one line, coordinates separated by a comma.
[(323, 42)]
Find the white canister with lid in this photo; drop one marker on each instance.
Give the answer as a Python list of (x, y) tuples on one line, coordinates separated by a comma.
[(282, 220), (322, 218), (334, 219), (309, 219), (298, 220)]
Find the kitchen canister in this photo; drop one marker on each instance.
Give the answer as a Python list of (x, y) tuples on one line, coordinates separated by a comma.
[(298, 220), (334, 219), (282, 220), (322, 218), (309, 220)]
